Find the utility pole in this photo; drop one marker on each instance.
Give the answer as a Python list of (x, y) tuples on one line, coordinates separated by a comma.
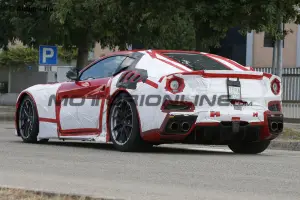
[(280, 44), (274, 59), (279, 52)]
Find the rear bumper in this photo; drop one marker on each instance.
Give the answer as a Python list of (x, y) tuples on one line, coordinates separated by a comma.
[(224, 132), (187, 129)]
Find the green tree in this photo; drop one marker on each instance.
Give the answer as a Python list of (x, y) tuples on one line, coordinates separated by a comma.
[(6, 28), (69, 23), (67, 55), (32, 24), (151, 23), (80, 25), (213, 18), (208, 19), (168, 24)]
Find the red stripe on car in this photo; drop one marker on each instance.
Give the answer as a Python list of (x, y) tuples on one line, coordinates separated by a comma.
[(49, 120)]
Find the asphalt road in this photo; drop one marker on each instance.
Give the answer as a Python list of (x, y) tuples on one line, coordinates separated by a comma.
[(164, 173)]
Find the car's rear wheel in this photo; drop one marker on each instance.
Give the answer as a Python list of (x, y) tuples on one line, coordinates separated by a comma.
[(28, 122), (249, 147), (124, 124)]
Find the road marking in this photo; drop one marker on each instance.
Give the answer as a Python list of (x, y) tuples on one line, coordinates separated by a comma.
[(198, 148), (211, 149)]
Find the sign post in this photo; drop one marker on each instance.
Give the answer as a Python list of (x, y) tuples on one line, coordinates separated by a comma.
[(48, 55)]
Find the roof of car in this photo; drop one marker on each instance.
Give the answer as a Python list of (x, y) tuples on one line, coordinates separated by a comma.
[(224, 61), (154, 50)]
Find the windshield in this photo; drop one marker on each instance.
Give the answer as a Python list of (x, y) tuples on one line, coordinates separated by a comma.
[(196, 61)]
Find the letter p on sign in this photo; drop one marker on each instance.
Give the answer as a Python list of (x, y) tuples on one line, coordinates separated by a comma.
[(48, 55)]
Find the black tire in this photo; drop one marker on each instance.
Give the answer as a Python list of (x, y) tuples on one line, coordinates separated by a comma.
[(250, 147), (124, 126), (28, 122)]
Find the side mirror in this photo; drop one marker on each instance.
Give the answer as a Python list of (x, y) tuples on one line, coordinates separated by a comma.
[(73, 74)]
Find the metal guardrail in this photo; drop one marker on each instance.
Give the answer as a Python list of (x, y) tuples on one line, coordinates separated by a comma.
[(285, 71), (291, 91), (291, 110)]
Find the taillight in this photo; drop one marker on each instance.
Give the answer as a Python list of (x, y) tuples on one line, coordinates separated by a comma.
[(175, 84), (275, 86), (275, 106)]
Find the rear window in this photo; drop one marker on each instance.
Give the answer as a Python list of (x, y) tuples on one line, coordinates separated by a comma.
[(196, 61)]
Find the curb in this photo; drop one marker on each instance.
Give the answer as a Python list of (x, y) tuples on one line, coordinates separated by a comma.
[(50, 194), (275, 144), (10, 117), (291, 120), (285, 145)]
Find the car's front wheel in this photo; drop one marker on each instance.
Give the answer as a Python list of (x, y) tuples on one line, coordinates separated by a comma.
[(124, 124), (249, 147), (28, 122)]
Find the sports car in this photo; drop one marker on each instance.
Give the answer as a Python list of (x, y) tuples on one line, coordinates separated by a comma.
[(138, 99)]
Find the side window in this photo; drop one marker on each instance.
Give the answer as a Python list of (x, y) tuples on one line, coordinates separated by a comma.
[(103, 68), (127, 62)]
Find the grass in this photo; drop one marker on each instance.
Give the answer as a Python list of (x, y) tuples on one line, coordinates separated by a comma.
[(290, 134), (18, 194)]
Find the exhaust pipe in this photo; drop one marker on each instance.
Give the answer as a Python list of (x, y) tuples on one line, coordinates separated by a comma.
[(185, 126), (274, 126), (174, 126), (280, 126)]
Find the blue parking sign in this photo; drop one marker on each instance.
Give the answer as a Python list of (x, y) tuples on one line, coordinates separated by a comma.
[(48, 55)]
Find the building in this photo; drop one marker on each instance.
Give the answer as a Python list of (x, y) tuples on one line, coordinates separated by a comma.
[(260, 50)]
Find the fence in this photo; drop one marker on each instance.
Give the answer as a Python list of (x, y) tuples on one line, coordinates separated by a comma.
[(291, 92), (23, 80), (61, 73)]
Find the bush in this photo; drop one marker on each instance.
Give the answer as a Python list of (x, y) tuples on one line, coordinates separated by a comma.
[(23, 56), (19, 56)]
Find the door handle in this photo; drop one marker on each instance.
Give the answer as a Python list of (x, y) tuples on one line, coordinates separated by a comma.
[(84, 84)]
